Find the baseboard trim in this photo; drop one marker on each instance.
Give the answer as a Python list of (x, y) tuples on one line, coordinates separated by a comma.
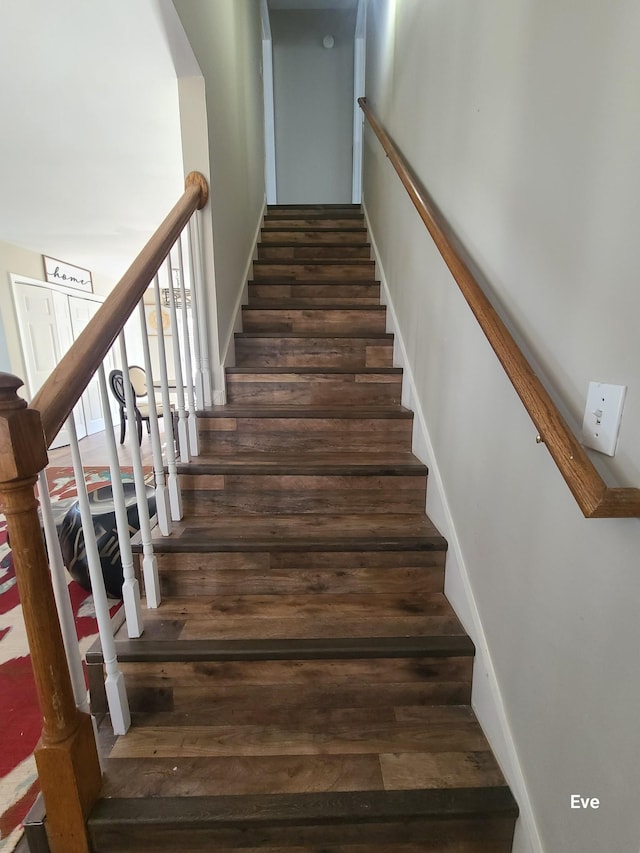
[(486, 697), (228, 353)]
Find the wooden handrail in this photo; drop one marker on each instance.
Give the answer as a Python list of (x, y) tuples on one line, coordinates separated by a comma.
[(594, 497), (64, 387)]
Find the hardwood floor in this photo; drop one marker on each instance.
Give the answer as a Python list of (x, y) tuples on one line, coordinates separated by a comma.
[(305, 685)]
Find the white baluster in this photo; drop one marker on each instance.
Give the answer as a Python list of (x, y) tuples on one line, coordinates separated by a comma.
[(61, 594), (114, 683), (202, 313), (194, 443), (130, 585), (195, 313), (183, 429), (163, 509), (175, 497), (149, 562)]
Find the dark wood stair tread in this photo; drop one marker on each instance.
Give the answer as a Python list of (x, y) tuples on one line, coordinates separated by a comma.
[(296, 617), (317, 371), (402, 532), (320, 336), (281, 809), (168, 648), (324, 283), (310, 245), (312, 229), (248, 410), (306, 463), (297, 210), (314, 206), (292, 305), (314, 262), (397, 747)]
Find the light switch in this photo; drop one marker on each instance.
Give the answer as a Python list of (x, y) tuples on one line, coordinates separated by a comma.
[(602, 417)]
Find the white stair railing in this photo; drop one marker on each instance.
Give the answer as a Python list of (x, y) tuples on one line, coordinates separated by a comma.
[(183, 429), (115, 689), (149, 562), (163, 504), (130, 585), (203, 367), (175, 497), (194, 441), (61, 595)]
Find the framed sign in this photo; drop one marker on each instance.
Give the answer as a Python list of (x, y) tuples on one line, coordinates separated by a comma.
[(58, 272)]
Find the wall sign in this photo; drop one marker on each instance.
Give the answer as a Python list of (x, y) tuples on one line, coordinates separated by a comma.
[(58, 272)]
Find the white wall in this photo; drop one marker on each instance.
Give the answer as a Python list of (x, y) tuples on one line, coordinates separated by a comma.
[(522, 121), (226, 39), (313, 94), (90, 147)]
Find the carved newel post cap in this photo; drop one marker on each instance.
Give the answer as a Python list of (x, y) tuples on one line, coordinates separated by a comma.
[(23, 450)]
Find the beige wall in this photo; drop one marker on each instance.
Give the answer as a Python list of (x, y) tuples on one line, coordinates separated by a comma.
[(522, 120), (226, 39), (15, 259)]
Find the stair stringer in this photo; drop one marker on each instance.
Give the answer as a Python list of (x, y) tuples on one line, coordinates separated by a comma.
[(486, 697)]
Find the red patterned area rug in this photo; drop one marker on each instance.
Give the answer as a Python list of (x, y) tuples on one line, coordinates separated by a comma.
[(20, 718)]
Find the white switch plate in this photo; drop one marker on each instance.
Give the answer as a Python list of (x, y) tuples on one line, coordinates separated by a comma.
[(602, 416)]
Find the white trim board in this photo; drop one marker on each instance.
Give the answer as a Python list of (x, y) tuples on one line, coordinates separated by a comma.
[(228, 353), (269, 108), (359, 71), (486, 697)]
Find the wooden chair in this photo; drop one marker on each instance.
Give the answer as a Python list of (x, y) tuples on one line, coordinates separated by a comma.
[(138, 380)]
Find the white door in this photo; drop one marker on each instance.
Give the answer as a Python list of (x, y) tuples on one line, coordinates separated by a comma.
[(81, 311), (43, 317), (66, 338)]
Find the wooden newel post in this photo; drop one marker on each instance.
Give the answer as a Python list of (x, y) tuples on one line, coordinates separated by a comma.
[(66, 755)]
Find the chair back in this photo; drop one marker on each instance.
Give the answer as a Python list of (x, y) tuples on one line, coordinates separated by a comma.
[(138, 380), (116, 383)]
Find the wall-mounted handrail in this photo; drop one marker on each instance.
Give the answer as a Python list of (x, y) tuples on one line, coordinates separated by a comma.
[(64, 387), (594, 497)]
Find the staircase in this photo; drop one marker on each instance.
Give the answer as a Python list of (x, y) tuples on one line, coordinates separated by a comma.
[(305, 685)]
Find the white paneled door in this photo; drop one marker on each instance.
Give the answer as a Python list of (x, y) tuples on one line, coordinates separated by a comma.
[(49, 320)]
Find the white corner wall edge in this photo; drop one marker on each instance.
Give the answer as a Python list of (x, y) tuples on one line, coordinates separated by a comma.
[(228, 354), (486, 696)]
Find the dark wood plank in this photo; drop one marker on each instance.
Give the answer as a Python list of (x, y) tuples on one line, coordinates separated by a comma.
[(324, 269), (314, 386), (313, 351), (240, 775), (192, 575), (374, 806), (352, 235), (301, 533), (304, 435), (309, 251), (323, 318), (444, 644), (336, 462), (312, 295), (347, 410)]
